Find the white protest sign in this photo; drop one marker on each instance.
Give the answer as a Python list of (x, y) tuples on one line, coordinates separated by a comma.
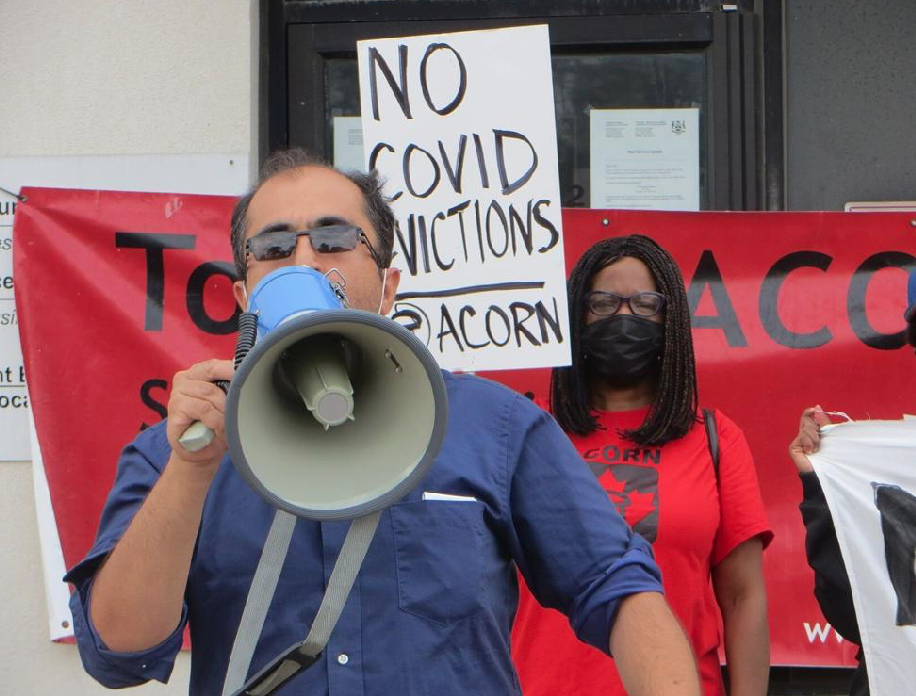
[(462, 128), (866, 471)]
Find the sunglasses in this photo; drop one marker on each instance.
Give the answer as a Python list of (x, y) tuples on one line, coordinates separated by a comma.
[(644, 304), (330, 239)]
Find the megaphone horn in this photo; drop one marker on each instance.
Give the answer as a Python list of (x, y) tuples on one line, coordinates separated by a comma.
[(334, 413)]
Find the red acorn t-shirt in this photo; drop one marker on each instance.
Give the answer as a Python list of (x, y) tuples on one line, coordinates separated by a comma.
[(670, 496)]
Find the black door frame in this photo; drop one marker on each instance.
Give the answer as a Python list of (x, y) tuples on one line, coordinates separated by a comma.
[(744, 105)]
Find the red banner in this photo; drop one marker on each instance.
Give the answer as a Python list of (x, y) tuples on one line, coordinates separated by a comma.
[(117, 291)]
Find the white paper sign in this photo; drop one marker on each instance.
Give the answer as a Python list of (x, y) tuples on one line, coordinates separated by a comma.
[(14, 400), (646, 159), (348, 143), (462, 127), (868, 478)]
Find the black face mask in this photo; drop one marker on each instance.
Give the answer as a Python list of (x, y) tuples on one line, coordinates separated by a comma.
[(623, 349)]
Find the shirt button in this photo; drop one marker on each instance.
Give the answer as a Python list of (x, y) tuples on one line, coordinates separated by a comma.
[(343, 659)]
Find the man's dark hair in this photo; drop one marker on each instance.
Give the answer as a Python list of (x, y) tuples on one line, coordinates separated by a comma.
[(376, 205), (674, 408)]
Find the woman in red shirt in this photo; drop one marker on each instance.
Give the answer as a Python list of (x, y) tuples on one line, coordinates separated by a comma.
[(629, 404)]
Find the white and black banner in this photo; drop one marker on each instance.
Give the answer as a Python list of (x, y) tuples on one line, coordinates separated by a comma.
[(867, 470)]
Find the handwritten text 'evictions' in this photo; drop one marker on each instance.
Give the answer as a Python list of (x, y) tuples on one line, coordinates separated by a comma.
[(462, 128)]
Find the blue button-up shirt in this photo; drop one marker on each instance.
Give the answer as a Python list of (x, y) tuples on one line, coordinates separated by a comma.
[(431, 609)]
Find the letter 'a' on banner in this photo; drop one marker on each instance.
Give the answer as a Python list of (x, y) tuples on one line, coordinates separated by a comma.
[(867, 472), (462, 128)]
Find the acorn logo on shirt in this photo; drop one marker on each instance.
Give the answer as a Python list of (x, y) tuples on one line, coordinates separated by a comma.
[(631, 487)]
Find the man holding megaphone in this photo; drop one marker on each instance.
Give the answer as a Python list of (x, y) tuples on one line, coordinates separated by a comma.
[(480, 485)]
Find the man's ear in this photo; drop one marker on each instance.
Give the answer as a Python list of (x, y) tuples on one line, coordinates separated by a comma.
[(391, 289), (241, 294)]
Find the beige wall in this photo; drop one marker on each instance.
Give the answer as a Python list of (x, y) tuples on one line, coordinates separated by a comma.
[(106, 77), (90, 77)]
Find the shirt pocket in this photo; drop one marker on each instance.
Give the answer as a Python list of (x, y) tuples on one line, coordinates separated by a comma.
[(438, 555)]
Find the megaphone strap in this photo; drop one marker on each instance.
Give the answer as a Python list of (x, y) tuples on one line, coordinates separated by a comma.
[(302, 655), (260, 595), (346, 568)]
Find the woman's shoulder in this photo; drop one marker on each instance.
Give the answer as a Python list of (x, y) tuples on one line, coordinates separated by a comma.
[(722, 421)]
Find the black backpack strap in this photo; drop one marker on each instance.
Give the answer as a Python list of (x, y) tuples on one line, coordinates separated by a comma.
[(712, 439)]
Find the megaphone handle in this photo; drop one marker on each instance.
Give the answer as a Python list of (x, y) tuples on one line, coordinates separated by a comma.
[(197, 436)]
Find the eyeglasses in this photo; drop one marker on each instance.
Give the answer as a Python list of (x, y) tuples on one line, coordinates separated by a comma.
[(645, 304), (330, 239)]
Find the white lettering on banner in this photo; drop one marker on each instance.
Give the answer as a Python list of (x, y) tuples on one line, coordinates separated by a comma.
[(820, 632), (865, 469), (461, 126)]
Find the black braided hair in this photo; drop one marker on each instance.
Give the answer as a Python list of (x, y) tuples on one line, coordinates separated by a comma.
[(674, 408)]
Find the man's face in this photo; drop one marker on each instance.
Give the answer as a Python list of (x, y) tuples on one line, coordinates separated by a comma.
[(307, 198)]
